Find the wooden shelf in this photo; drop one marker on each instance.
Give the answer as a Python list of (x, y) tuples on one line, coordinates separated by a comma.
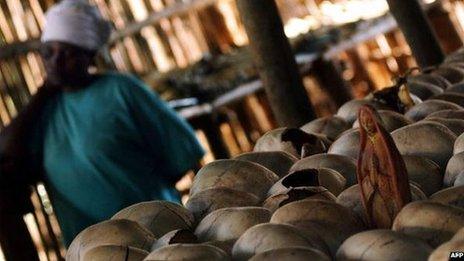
[(381, 26)]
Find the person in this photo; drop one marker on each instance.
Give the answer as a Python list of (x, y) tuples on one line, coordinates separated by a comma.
[(103, 141)]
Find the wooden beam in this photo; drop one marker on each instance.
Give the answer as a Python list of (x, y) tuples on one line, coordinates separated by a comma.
[(18, 48), (418, 32), (331, 81), (209, 123), (380, 26), (275, 61)]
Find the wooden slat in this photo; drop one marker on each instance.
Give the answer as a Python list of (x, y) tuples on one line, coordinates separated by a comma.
[(186, 34), (5, 115), (196, 27), (17, 18), (38, 13), (10, 77), (6, 23), (31, 21), (48, 235), (21, 83), (4, 93), (165, 31), (17, 48), (130, 43)]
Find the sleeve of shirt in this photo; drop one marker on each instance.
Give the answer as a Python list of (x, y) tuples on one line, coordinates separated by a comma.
[(166, 134)]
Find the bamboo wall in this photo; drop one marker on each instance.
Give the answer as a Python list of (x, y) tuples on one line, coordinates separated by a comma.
[(179, 34)]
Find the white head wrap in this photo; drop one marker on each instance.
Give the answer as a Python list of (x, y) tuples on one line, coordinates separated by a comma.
[(76, 22)]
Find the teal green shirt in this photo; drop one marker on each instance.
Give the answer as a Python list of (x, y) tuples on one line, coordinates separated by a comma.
[(110, 145)]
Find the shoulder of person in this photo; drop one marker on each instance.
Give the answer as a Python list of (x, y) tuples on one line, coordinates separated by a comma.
[(130, 87), (123, 79), (127, 83)]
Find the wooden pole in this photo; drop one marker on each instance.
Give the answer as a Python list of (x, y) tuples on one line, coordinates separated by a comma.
[(275, 61), (209, 124), (418, 32), (329, 77), (18, 48)]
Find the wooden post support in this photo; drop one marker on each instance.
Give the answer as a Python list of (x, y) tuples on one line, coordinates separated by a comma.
[(418, 32), (210, 124), (331, 81), (275, 61), (212, 131)]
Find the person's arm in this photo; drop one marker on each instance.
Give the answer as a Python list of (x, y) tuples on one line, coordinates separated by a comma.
[(167, 135), (14, 133), (16, 167), (14, 147)]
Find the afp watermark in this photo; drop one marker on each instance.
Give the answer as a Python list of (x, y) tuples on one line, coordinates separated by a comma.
[(456, 255)]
